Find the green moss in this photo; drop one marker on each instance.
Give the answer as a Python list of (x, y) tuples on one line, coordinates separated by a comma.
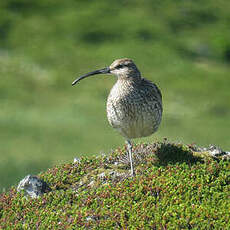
[(173, 189), (182, 46)]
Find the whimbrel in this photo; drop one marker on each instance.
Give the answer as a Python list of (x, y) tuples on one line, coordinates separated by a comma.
[(134, 105)]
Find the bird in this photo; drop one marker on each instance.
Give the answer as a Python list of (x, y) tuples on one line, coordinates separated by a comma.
[(134, 105)]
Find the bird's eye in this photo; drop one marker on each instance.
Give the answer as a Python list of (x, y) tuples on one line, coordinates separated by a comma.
[(119, 66)]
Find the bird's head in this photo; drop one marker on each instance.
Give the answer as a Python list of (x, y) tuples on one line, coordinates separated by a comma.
[(123, 68)]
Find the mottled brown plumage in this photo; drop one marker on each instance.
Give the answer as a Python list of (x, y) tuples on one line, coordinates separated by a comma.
[(134, 105)]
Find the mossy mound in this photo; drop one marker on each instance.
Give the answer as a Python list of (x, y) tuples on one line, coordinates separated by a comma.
[(175, 188)]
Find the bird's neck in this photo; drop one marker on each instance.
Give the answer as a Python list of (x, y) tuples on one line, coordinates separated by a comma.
[(130, 78)]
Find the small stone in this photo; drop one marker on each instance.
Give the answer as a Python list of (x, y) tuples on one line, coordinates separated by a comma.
[(101, 176), (33, 186), (77, 160), (90, 218), (91, 183), (215, 150)]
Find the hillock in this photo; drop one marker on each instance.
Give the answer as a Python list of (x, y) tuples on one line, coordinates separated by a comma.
[(176, 187)]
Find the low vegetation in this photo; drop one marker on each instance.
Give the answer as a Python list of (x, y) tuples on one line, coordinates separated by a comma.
[(175, 188), (182, 46)]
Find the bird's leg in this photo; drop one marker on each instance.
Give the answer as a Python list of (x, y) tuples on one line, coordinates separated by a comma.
[(129, 145)]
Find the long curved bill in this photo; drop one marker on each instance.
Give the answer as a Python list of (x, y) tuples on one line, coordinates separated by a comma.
[(100, 71)]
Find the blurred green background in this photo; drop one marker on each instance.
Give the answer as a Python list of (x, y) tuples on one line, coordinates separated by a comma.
[(183, 46)]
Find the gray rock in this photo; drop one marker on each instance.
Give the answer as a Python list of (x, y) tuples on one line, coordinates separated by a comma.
[(90, 218), (33, 186), (77, 160), (217, 152), (214, 150), (91, 183), (101, 176)]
